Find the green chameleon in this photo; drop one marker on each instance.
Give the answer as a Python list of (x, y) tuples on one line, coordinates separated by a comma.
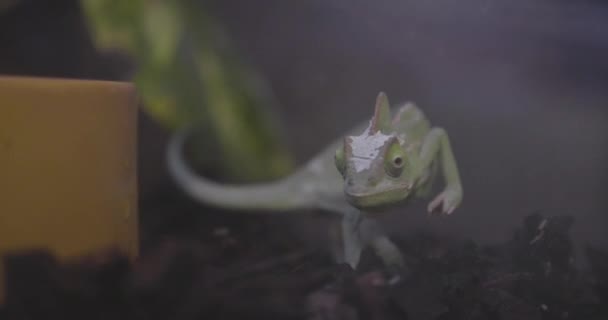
[(393, 160)]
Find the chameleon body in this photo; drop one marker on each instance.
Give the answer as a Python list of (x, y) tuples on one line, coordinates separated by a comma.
[(389, 160)]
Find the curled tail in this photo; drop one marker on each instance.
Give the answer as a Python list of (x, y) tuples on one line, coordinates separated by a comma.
[(274, 196)]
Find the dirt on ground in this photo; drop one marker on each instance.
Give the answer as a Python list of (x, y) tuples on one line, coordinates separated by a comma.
[(205, 265)]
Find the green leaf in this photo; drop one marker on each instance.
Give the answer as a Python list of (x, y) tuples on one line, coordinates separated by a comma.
[(188, 73)]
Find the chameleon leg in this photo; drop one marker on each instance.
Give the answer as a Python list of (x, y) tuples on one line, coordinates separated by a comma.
[(436, 145), (351, 238), (336, 245), (388, 252), (373, 235), (424, 190)]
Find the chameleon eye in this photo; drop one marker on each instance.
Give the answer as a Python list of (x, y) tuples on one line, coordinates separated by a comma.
[(339, 159), (395, 161), (398, 161)]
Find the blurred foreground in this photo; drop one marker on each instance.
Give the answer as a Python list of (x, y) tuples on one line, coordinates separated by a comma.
[(240, 272)]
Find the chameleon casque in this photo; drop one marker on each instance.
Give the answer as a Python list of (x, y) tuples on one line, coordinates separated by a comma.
[(389, 160)]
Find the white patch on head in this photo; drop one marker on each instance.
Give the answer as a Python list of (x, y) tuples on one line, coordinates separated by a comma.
[(366, 147)]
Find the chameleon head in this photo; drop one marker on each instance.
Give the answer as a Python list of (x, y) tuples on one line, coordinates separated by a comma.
[(375, 165)]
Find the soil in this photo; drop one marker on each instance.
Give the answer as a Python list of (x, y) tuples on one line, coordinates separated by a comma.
[(197, 263)]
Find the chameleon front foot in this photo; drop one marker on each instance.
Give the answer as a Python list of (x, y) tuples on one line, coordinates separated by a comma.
[(445, 202), (351, 242)]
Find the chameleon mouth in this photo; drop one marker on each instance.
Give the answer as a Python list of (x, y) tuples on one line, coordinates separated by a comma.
[(380, 199)]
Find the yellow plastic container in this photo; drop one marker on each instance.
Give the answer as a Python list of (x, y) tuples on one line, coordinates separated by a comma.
[(67, 166)]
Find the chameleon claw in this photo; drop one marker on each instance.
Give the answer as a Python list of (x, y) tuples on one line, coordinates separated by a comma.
[(451, 210), (443, 204), (434, 205)]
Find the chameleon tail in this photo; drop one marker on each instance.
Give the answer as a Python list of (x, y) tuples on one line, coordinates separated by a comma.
[(274, 196)]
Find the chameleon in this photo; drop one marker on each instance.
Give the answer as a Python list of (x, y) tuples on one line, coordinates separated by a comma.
[(391, 159)]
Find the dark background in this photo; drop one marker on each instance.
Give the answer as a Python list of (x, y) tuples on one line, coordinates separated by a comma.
[(519, 86)]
